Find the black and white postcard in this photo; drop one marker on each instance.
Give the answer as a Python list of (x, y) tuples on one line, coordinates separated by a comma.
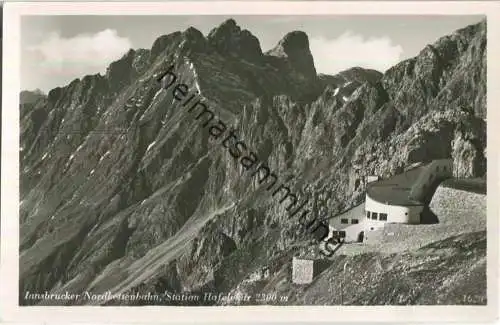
[(253, 161)]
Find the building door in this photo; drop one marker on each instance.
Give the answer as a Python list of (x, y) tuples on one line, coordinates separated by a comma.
[(361, 237)]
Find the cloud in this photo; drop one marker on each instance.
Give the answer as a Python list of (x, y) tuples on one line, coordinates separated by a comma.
[(351, 50), (79, 55)]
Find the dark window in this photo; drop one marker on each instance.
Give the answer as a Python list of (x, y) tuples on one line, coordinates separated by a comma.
[(354, 221), (383, 217), (368, 214), (374, 215), (344, 220), (338, 234)]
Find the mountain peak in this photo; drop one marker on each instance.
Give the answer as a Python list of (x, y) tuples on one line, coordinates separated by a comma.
[(195, 39), (192, 32), (229, 25), (229, 39), (295, 47), (296, 41)]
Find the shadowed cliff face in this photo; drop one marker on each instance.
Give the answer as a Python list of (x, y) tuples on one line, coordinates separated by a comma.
[(122, 189)]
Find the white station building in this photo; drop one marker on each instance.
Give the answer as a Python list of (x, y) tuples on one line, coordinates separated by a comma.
[(398, 199)]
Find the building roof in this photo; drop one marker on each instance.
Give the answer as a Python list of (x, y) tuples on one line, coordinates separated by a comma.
[(396, 189)]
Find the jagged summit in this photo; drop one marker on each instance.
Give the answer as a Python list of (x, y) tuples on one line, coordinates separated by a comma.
[(229, 39), (161, 43), (227, 26), (193, 33), (119, 72), (193, 40), (470, 30), (294, 48), (291, 44)]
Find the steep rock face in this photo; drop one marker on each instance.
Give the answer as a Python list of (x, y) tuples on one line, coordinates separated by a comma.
[(162, 42), (124, 189), (294, 47), (207, 251), (449, 73), (468, 157)]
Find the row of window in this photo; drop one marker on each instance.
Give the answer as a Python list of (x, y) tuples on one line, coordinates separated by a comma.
[(376, 216), (345, 221)]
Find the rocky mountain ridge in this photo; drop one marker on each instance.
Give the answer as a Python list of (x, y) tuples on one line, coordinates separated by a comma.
[(122, 190)]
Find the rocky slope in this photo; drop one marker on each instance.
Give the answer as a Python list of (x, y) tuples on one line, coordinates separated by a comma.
[(122, 189)]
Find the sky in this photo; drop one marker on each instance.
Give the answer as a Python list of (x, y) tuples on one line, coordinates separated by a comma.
[(58, 49)]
